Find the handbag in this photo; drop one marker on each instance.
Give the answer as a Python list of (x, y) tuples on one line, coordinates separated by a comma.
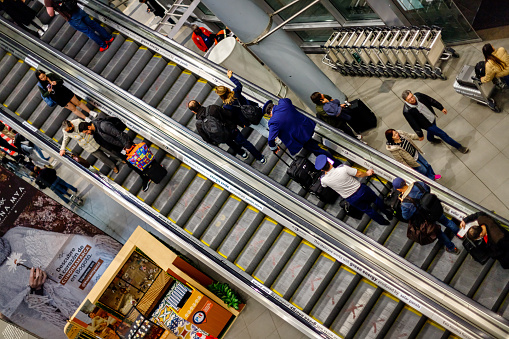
[(50, 102), (139, 155), (422, 231)]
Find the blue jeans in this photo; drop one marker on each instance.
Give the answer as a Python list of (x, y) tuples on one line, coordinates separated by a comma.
[(433, 131), (313, 146), (239, 141), (363, 198), (450, 225), (445, 240), (425, 168), (60, 188), (81, 22), (42, 161)]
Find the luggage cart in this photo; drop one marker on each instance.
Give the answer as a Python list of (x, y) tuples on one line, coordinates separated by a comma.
[(379, 59), (469, 85), (435, 52)]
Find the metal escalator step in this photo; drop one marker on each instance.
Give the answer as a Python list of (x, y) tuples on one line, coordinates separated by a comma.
[(43, 15), (42, 112), (446, 263), (467, 275), (295, 269), (492, 286), (87, 52), (326, 309), (134, 67), (119, 60), (63, 36), (191, 198), (177, 93), (11, 80), (419, 254), (223, 222), (19, 93), (240, 233), (198, 92), (148, 75), (171, 165), (3, 52), (54, 121), (75, 44), (30, 104), (206, 211), (162, 84), (315, 282), (35, 5), (174, 189), (398, 240), (102, 59), (404, 323), (278, 172), (353, 307), (54, 27), (377, 317), (431, 330), (258, 245), (7, 64), (276, 258)]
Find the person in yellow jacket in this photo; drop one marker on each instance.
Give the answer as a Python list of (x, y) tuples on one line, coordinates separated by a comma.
[(497, 63)]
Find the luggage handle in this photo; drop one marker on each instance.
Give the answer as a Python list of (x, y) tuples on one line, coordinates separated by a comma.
[(281, 158), (376, 188)]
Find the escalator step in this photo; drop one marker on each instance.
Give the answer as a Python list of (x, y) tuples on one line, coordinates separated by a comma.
[(174, 189), (492, 286), (148, 75), (60, 40), (75, 44), (101, 59), (133, 183), (19, 94), (404, 323), (87, 52), (177, 93), (377, 317), (398, 239), (431, 330), (162, 84), (190, 200), (54, 27), (41, 113), (170, 164), (11, 80), (120, 59), (295, 269), (134, 67), (54, 122), (198, 92), (30, 103)]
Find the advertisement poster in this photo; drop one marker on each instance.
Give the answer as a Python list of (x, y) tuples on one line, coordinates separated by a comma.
[(37, 232)]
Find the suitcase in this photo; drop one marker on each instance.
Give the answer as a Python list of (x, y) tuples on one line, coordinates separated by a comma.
[(325, 194), (464, 78), (302, 171), (155, 172), (350, 210), (363, 118), (477, 249)]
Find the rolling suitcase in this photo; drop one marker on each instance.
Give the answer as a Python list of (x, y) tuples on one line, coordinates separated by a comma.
[(155, 172), (325, 194), (363, 118), (302, 171), (477, 249)]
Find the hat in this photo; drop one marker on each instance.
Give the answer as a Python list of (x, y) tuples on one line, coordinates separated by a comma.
[(320, 162), (221, 90), (398, 183), (264, 109)]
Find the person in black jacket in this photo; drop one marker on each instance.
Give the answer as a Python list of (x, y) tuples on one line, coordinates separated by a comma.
[(235, 139), (495, 236), (48, 178), (418, 111), (23, 16), (114, 140), (154, 7)]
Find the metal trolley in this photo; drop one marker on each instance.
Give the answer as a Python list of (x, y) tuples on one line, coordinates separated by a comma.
[(388, 51)]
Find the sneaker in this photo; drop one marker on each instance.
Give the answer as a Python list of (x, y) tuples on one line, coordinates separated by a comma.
[(358, 136), (102, 49), (278, 141), (455, 250), (111, 40), (244, 155), (463, 149), (93, 114), (438, 177), (40, 32), (263, 160), (436, 141), (146, 185), (45, 27)]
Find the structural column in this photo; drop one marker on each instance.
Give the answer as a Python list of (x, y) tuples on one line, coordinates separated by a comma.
[(278, 51)]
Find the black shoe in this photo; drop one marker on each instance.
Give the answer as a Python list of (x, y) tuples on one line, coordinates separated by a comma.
[(389, 216), (146, 185), (436, 141)]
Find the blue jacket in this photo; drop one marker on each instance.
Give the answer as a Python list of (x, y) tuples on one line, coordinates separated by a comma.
[(408, 208), (293, 128), (333, 108), (240, 100)]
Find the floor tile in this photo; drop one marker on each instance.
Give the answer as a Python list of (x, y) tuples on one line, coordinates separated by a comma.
[(262, 326), (474, 189), (495, 172), (494, 203), (499, 135)]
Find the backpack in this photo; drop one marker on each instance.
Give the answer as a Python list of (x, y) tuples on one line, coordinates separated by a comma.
[(119, 124), (421, 230), (68, 6), (393, 204), (252, 113), (50, 102), (215, 129), (430, 205), (480, 69)]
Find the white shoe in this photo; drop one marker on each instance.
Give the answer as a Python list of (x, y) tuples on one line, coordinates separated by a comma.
[(263, 160), (278, 141), (358, 136), (244, 155), (45, 27), (93, 114), (40, 32), (87, 119)]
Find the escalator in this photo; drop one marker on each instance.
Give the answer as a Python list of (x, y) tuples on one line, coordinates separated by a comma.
[(272, 253)]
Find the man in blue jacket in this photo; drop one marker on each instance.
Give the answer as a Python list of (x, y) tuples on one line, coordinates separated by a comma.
[(294, 129), (409, 209)]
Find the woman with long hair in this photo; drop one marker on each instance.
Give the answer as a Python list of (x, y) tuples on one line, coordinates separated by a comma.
[(53, 87), (403, 149), (497, 63)]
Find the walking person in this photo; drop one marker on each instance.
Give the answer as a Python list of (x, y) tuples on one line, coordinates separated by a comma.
[(403, 149), (418, 111), (228, 132), (31, 150), (80, 21), (7, 145), (86, 141), (343, 180), (234, 100), (48, 178), (107, 135), (294, 129), (53, 87), (331, 112), (411, 209), (23, 16), (496, 65)]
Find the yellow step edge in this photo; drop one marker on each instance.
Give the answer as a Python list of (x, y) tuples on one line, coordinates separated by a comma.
[(242, 268), (277, 293), (307, 243), (202, 80), (432, 323), (201, 176), (143, 47), (369, 282), (413, 310), (140, 137), (317, 320), (8, 53), (171, 63), (158, 211), (170, 156), (258, 279), (186, 72), (221, 254), (235, 197), (170, 219), (348, 269), (387, 294), (99, 171), (21, 61), (188, 231), (55, 139), (42, 131), (4, 105), (29, 122), (300, 308), (157, 56), (32, 69), (205, 243), (323, 254), (116, 33), (270, 220), (154, 146), (140, 198), (16, 113), (252, 208), (185, 166), (217, 186), (128, 40), (289, 232)]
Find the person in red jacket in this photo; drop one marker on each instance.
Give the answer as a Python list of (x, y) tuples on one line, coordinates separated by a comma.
[(203, 38)]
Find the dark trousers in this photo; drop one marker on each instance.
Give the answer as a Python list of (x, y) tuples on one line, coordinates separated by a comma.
[(239, 140), (313, 146), (363, 198)]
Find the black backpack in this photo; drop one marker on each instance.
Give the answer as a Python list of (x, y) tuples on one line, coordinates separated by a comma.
[(480, 69), (430, 205), (215, 129), (252, 113), (119, 124), (68, 6)]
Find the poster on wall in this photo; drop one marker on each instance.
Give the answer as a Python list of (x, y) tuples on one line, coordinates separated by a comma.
[(38, 237)]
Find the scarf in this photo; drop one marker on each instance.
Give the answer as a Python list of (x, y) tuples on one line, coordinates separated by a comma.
[(423, 110)]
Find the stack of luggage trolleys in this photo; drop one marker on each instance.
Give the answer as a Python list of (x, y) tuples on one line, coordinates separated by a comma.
[(388, 51)]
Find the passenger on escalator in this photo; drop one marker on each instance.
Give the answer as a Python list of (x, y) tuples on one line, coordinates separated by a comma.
[(202, 38), (496, 237), (331, 112), (80, 21), (114, 140), (294, 129), (247, 113), (342, 180), (23, 16), (87, 142), (412, 209), (217, 126), (154, 7), (51, 85)]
